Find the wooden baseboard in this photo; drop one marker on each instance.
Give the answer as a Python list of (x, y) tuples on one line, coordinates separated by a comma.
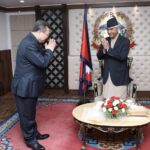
[(143, 94), (71, 94), (90, 94)]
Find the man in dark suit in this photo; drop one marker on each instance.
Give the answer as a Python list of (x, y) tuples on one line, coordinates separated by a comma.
[(28, 81), (114, 50)]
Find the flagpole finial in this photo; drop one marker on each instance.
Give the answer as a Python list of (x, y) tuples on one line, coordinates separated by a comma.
[(85, 6)]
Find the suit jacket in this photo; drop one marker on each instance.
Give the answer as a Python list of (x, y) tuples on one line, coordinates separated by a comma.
[(31, 62), (115, 61)]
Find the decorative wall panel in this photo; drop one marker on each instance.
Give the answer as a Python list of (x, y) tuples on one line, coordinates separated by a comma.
[(55, 71)]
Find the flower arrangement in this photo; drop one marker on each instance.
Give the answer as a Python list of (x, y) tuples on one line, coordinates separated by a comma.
[(114, 107)]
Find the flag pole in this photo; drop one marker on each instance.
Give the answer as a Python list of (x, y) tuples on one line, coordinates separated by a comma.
[(85, 79), (84, 98)]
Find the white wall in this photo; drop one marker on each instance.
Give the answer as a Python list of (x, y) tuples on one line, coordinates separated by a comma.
[(3, 31), (19, 24)]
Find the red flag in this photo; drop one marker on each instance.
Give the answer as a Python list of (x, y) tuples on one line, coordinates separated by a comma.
[(85, 80)]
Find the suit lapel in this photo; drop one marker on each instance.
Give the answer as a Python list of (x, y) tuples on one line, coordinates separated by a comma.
[(117, 41), (109, 41)]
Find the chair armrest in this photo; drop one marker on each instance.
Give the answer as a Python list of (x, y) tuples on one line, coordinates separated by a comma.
[(132, 90)]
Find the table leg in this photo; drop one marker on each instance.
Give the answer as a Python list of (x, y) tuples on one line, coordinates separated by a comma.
[(84, 137), (137, 138)]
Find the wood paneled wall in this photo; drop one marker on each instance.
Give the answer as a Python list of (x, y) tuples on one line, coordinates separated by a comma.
[(5, 71)]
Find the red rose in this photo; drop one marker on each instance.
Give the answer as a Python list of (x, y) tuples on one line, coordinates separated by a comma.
[(115, 97), (120, 105), (109, 101), (124, 106), (114, 112), (109, 105)]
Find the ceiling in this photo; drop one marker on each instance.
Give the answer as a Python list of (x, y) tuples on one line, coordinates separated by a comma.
[(31, 3)]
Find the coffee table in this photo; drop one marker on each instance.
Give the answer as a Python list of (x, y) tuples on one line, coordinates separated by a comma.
[(109, 125)]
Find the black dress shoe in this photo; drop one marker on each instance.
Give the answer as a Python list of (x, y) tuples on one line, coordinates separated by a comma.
[(42, 136), (36, 146)]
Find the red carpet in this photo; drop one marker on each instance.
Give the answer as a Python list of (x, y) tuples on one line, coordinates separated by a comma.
[(57, 120)]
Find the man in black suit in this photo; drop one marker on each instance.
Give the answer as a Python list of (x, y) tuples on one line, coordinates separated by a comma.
[(28, 81), (114, 50)]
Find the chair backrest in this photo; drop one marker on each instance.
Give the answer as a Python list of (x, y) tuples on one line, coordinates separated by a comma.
[(129, 61)]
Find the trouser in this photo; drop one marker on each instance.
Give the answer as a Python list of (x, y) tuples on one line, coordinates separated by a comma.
[(26, 108)]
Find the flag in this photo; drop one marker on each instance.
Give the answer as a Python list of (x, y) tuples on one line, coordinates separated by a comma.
[(85, 79)]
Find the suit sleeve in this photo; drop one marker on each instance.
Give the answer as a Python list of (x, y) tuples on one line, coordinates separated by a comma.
[(38, 57), (120, 53), (101, 53)]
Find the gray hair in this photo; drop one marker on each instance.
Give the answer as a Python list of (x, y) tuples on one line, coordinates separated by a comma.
[(40, 25)]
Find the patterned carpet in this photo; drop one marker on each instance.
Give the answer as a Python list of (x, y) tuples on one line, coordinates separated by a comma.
[(5, 126), (120, 141)]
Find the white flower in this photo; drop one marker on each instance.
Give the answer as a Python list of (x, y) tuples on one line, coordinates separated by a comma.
[(107, 99), (121, 100), (115, 108), (104, 109), (98, 104), (123, 110), (110, 109), (105, 104), (115, 102)]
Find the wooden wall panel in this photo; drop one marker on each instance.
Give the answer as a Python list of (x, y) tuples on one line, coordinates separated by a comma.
[(5, 71)]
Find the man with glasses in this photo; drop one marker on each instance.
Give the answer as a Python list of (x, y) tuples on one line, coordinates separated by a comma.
[(28, 82)]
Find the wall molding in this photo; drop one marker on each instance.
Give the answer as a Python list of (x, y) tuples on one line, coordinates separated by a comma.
[(109, 5), (79, 6)]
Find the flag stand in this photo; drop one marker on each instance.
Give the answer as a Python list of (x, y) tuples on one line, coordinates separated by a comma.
[(83, 100)]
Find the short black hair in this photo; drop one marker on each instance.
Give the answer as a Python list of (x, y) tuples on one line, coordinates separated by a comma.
[(40, 25)]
